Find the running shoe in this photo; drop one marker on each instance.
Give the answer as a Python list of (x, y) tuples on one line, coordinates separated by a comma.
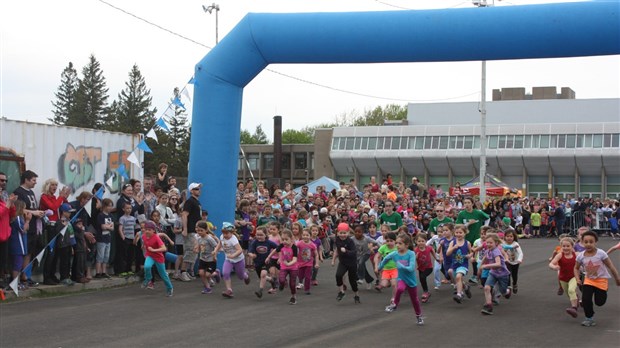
[(487, 309), (390, 308), (185, 277), (340, 296), (144, 284), (292, 301), (300, 286), (420, 320), (572, 311), (508, 293), (315, 282), (357, 299), (206, 291), (259, 293), (458, 298), (169, 292), (150, 285), (228, 293), (247, 279), (515, 288), (467, 291), (217, 276), (588, 322), (560, 291)]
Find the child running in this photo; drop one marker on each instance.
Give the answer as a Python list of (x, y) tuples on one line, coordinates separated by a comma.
[(597, 267), (274, 267), (514, 256), (405, 260), (308, 259), (498, 272), (444, 258), (207, 266), (346, 254), (259, 251), (288, 263), (564, 263), (234, 258), (154, 250), (389, 274), (316, 239), (460, 251), (425, 257)]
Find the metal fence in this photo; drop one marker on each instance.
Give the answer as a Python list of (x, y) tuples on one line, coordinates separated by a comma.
[(596, 221)]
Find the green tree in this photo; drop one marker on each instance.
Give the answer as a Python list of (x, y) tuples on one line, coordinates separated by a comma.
[(134, 113), (178, 138), (90, 98), (259, 136), (291, 136), (65, 96), (378, 115)]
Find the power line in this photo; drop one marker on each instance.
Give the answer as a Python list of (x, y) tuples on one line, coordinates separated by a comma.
[(280, 73)]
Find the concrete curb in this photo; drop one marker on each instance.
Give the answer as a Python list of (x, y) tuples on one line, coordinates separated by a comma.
[(52, 290)]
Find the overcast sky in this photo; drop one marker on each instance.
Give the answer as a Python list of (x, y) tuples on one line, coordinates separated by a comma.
[(40, 37)]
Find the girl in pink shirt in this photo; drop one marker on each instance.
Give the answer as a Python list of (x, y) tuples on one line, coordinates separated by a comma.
[(308, 258), (288, 263)]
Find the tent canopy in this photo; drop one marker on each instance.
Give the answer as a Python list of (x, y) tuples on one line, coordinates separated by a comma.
[(329, 184), (494, 187)]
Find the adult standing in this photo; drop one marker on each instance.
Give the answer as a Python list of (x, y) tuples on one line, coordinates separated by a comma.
[(49, 201), (192, 213), (414, 187), (440, 219), (24, 193), (150, 199), (390, 217), (6, 211), (374, 186), (473, 219)]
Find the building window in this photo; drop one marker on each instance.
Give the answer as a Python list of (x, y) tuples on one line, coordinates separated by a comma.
[(268, 161), (419, 143), (286, 161), (428, 143), (570, 141), (607, 140), (452, 142), (335, 142), (553, 141), (253, 160), (501, 142), (518, 142), (510, 141), (476, 142), (459, 142), (561, 141), (588, 141), (597, 141), (535, 141), (364, 143), (372, 143), (349, 145), (358, 143), (342, 144), (301, 161), (493, 142), (544, 141), (404, 143), (396, 143), (387, 143), (380, 141), (443, 143), (615, 140), (527, 141), (469, 142)]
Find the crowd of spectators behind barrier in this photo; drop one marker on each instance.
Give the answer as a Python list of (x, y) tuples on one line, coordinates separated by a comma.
[(157, 198)]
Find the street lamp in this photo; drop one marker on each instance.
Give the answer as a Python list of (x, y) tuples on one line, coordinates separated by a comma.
[(210, 9), (483, 118)]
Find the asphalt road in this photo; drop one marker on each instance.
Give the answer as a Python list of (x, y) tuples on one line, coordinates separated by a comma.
[(132, 317)]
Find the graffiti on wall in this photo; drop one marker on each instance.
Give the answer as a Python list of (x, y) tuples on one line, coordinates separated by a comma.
[(76, 166), (115, 159)]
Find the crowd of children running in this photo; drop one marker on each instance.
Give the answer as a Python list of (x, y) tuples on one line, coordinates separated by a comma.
[(387, 238)]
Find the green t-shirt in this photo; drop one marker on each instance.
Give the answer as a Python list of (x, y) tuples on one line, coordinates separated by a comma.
[(474, 229), (394, 220), (384, 251), (432, 227), (535, 219)]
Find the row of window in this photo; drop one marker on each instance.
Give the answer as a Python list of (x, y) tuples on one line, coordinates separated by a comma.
[(301, 161), (467, 142)]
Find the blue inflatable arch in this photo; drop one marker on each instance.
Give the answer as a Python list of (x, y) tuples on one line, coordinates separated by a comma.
[(471, 34)]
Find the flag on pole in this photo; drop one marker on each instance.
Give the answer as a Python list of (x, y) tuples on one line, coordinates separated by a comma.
[(162, 124), (185, 92), (52, 243), (151, 134), (122, 170), (177, 101), (88, 207), (63, 231), (40, 256), (191, 81), (133, 158), (110, 180), (14, 285), (99, 193), (144, 147)]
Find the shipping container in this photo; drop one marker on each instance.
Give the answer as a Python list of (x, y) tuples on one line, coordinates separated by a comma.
[(76, 157)]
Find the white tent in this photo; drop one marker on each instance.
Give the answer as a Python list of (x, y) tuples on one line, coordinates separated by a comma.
[(329, 184)]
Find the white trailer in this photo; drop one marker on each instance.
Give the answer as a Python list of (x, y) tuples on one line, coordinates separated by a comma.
[(76, 157)]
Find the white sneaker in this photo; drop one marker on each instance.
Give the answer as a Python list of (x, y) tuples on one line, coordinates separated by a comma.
[(185, 277), (300, 286), (368, 286)]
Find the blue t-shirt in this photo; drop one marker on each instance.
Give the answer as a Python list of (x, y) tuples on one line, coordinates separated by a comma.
[(262, 250), (459, 256), (613, 223), (445, 243), (405, 264)]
